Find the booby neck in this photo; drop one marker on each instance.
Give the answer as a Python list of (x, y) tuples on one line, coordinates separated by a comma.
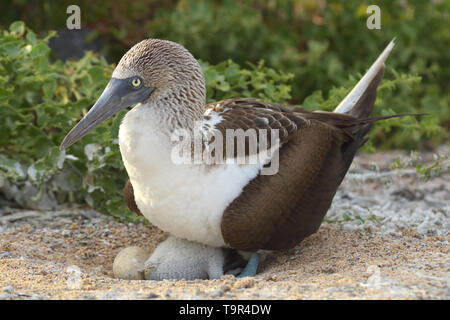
[(144, 135)]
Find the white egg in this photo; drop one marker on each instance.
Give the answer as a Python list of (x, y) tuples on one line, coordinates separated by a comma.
[(129, 263)]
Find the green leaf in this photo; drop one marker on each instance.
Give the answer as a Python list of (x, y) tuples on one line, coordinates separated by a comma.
[(17, 28), (40, 49), (31, 37), (314, 101)]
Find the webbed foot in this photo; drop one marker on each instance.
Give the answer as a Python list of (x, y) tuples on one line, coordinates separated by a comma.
[(251, 268)]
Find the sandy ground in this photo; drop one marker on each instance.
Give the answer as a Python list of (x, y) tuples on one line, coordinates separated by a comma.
[(385, 237)]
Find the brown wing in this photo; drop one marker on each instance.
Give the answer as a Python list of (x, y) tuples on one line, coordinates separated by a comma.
[(128, 196), (247, 113), (277, 211), (251, 115)]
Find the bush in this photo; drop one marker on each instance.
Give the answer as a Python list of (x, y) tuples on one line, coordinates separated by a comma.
[(322, 43)]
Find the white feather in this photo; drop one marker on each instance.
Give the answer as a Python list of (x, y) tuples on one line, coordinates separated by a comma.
[(187, 201)]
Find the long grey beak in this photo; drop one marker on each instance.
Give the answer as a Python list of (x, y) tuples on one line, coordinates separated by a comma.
[(118, 95)]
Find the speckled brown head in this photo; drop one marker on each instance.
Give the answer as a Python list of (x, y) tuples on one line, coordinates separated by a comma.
[(164, 65), (157, 72)]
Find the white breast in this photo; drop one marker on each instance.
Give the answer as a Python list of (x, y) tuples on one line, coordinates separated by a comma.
[(187, 201)]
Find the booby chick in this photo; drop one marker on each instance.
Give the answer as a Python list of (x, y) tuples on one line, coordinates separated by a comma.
[(226, 204), (177, 258)]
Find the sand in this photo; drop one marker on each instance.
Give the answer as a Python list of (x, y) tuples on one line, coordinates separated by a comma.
[(385, 237)]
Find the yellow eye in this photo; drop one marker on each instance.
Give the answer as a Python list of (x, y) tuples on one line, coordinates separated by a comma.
[(136, 82)]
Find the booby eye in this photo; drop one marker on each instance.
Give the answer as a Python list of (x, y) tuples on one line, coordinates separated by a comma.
[(136, 82)]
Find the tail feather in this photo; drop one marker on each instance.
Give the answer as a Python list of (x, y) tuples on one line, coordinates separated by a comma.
[(352, 123), (359, 102), (358, 128)]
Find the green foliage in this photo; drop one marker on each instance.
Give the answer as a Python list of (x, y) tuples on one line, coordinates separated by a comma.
[(322, 43), (228, 80), (424, 171), (219, 30), (427, 172), (347, 217), (40, 101)]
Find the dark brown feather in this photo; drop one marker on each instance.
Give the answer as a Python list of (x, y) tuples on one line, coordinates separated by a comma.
[(248, 113), (277, 211), (128, 196)]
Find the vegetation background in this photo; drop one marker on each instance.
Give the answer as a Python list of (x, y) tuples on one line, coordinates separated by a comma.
[(296, 52)]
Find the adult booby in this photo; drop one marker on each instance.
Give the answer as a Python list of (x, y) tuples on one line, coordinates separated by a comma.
[(229, 204)]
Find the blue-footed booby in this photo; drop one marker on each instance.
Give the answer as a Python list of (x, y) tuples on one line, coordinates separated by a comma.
[(227, 204)]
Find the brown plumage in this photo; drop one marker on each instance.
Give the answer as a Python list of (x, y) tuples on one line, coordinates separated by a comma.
[(128, 196)]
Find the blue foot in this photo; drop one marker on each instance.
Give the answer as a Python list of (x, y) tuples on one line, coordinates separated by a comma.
[(251, 267)]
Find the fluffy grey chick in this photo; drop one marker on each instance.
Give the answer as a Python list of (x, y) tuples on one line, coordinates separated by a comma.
[(177, 259)]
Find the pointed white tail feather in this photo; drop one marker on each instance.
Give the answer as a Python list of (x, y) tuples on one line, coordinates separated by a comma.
[(352, 98)]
